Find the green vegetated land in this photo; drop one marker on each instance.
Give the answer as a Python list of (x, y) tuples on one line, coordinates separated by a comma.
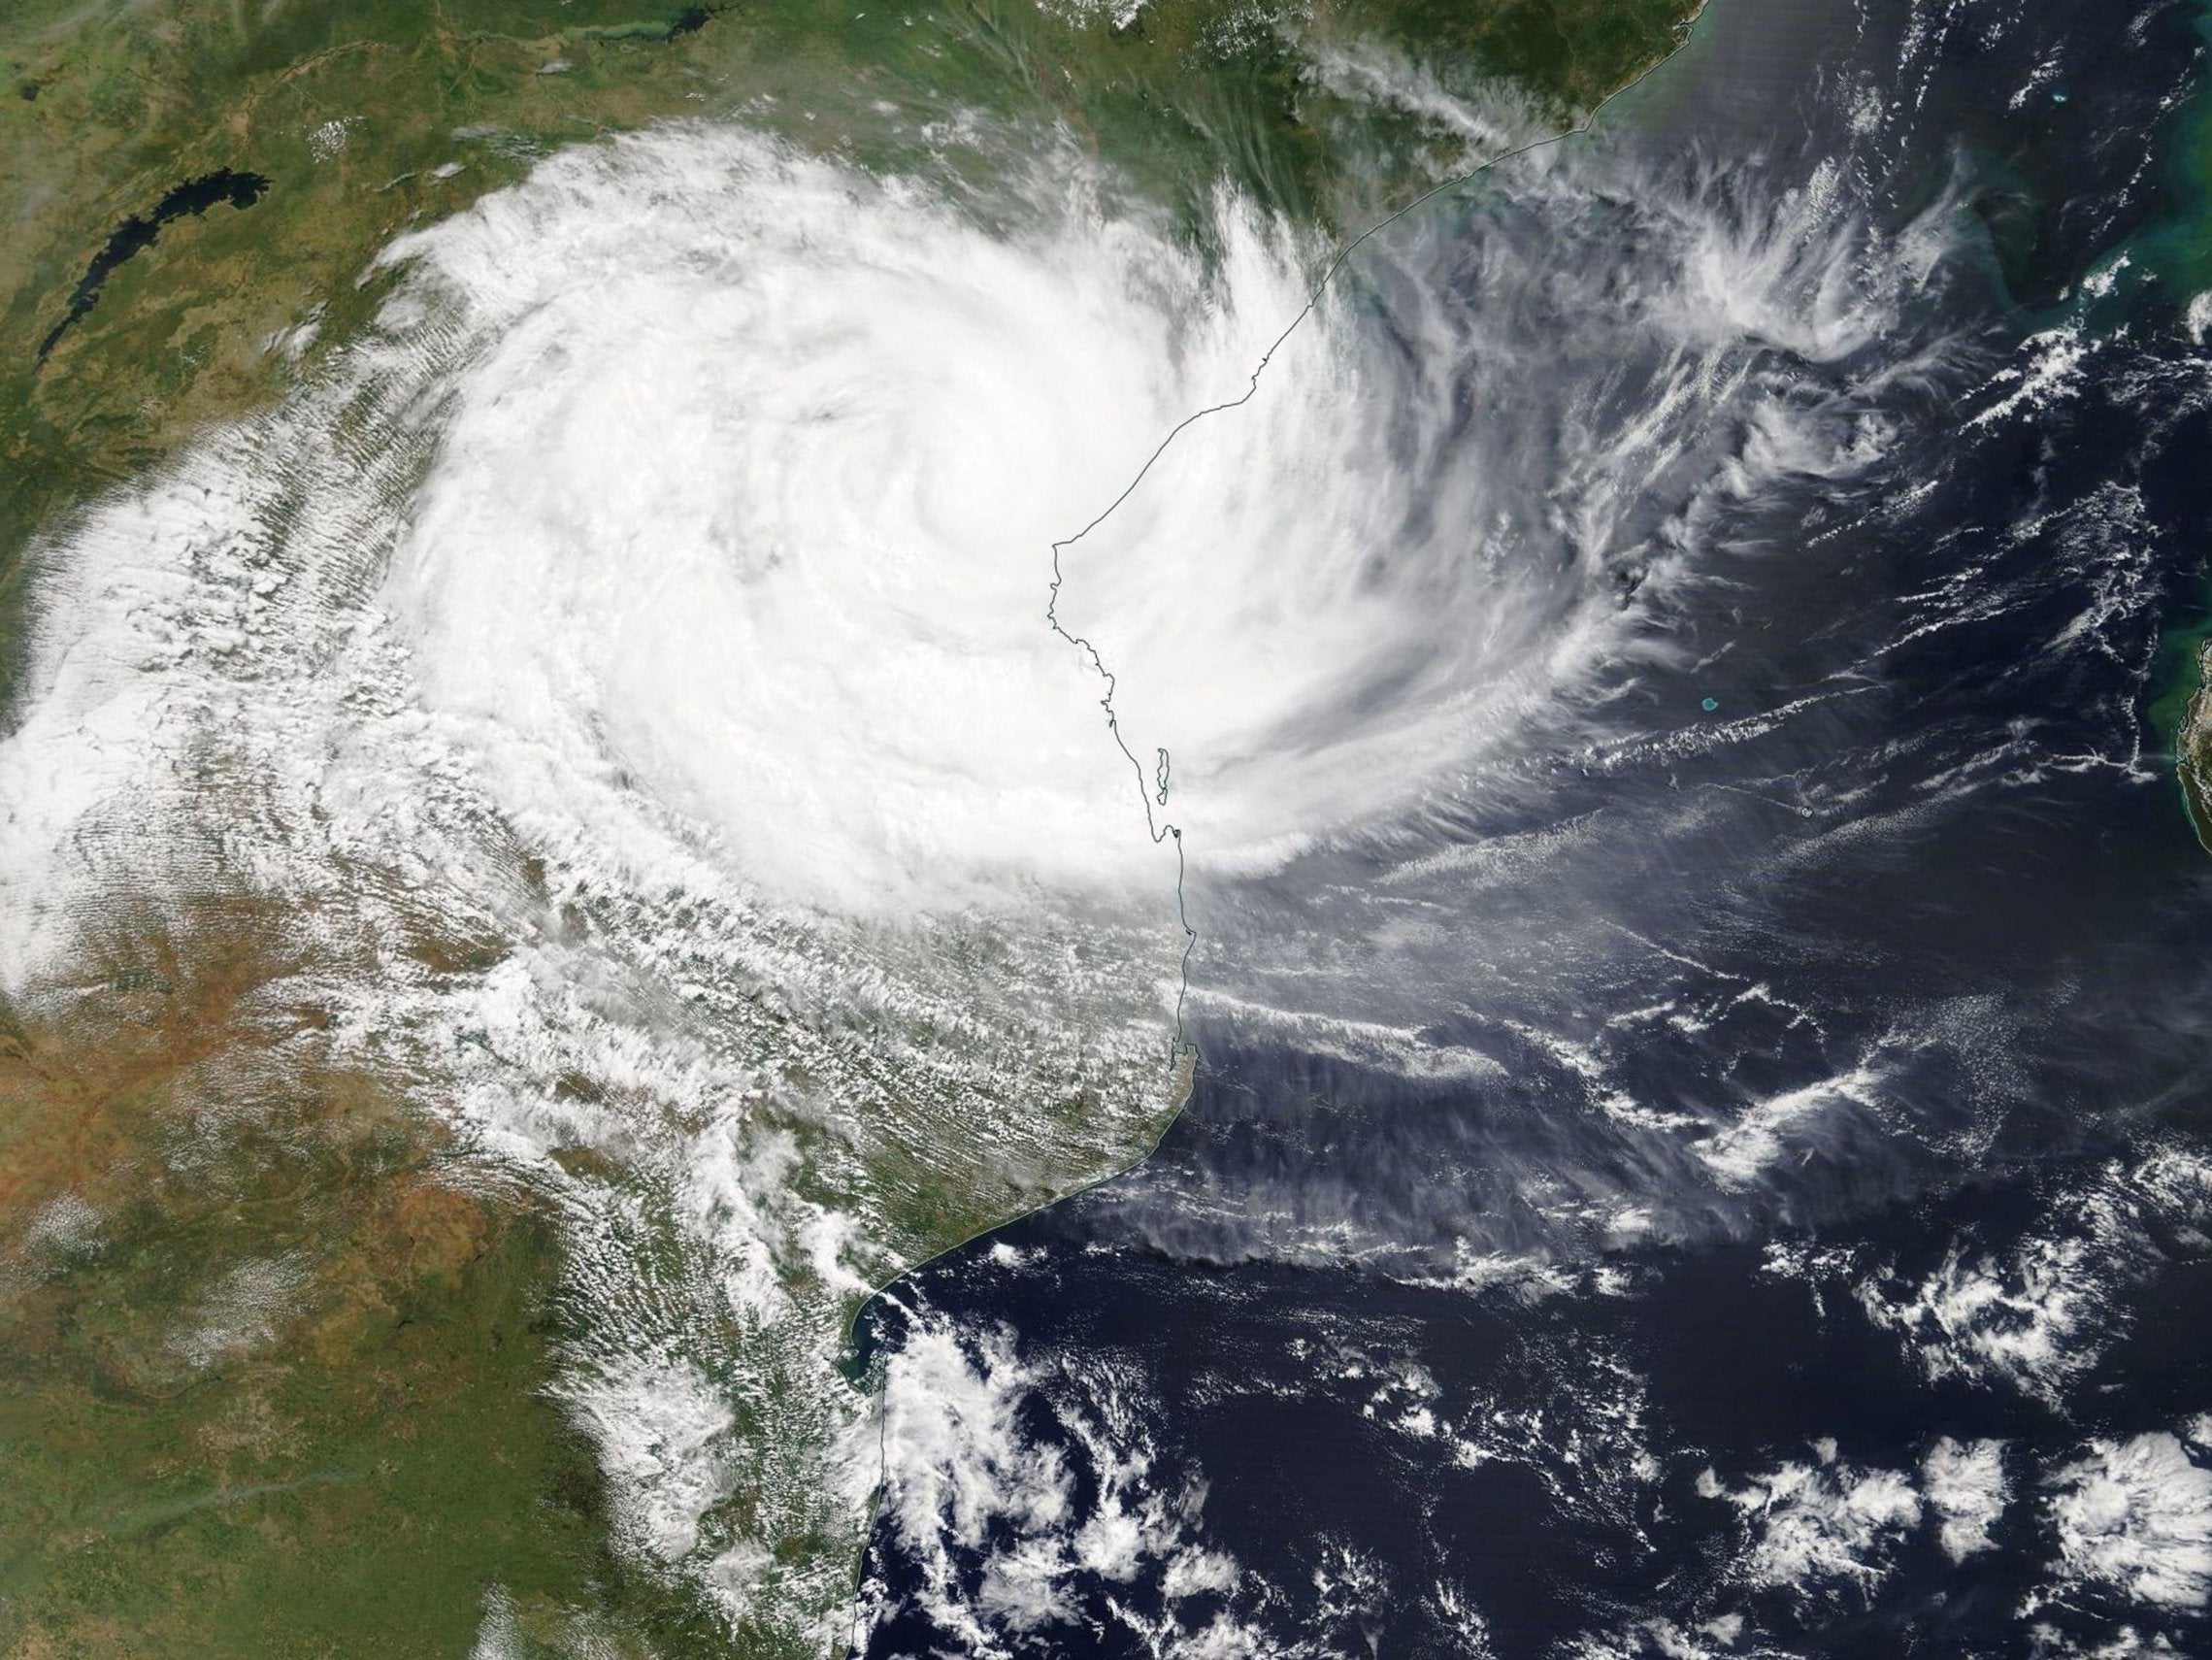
[(272, 1359), (2175, 255), (365, 116)]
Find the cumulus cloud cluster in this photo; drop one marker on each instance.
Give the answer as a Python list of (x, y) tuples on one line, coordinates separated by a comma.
[(2038, 1315), (1014, 1486), (2135, 1515), (1967, 1488), (1820, 1524)]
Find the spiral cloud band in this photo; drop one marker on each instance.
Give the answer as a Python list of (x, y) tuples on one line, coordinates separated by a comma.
[(748, 474), (634, 671), (751, 500), (750, 494)]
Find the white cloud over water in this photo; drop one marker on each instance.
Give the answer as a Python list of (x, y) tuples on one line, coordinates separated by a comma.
[(1967, 1489), (1813, 1525), (657, 595), (1014, 1487), (2135, 1515)]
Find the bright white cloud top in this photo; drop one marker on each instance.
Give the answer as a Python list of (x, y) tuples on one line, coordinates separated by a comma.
[(749, 492), (656, 600), (750, 500)]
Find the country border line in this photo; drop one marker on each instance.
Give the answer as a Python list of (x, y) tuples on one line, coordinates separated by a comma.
[(1178, 1048), (1157, 793)]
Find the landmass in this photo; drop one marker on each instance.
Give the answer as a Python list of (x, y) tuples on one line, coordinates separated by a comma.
[(278, 1350)]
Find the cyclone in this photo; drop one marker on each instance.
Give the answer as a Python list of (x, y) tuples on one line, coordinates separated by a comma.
[(750, 500), (756, 473), (805, 510), (737, 683), (705, 684)]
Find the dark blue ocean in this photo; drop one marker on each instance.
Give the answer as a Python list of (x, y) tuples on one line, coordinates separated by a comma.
[(1735, 1180)]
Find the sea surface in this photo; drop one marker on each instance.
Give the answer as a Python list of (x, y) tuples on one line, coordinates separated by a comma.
[(1727, 1172)]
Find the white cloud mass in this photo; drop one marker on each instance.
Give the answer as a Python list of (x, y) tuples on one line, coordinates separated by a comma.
[(1818, 1524), (2136, 1515), (655, 598)]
